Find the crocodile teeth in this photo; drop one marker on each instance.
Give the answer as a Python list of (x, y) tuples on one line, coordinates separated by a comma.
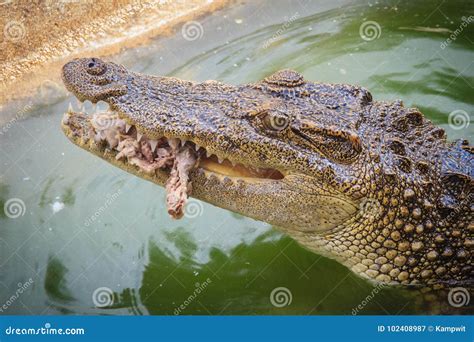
[(65, 119), (69, 108), (197, 147), (208, 154), (173, 143), (220, 160), (153, 144), (127, 127), (139, 136)]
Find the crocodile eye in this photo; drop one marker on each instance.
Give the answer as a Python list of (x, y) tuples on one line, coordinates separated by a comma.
[(95, 67), (342, 146), (276, 122)]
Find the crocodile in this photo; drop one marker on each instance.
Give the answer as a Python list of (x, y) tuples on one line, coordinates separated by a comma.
[(374, 185)]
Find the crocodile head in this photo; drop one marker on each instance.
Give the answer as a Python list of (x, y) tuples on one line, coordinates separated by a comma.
[(345, 176)]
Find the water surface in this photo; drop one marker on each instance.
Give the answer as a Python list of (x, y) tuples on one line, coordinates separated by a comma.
[(89, 228)]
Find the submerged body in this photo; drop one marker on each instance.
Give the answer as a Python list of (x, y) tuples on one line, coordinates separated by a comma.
[(371, 184)]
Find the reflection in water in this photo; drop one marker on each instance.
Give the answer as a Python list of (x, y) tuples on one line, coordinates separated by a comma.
[(55, 282), (241, 281), (88, 226)]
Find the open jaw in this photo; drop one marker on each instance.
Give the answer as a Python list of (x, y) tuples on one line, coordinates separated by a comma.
[(169, 158)]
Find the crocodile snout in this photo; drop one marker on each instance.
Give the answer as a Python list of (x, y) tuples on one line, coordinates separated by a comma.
[(93, 79)]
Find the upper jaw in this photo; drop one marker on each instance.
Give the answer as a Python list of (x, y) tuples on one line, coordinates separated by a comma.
[(111, 87)]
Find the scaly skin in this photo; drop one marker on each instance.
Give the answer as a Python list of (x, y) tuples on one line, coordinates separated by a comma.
[(371, 184)]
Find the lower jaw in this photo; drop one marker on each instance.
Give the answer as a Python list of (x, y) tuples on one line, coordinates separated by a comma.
[(208, 186), (161, 176)]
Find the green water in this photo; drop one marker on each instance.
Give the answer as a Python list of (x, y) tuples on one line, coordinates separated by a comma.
[(89, 226)]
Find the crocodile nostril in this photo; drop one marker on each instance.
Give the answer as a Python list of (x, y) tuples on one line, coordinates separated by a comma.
[(96, 67)]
